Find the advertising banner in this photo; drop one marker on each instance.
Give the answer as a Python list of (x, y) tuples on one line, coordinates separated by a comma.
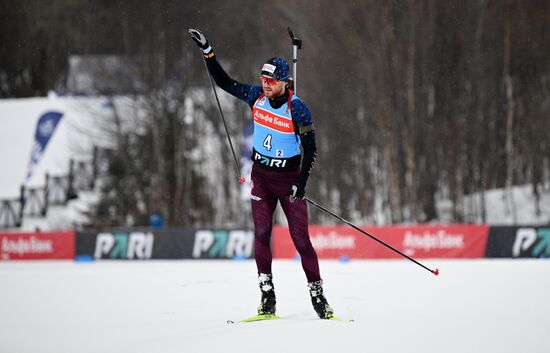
[(519, 242), (37, 246), (124, 245), (333, 242), (166, 244), (223, 244)]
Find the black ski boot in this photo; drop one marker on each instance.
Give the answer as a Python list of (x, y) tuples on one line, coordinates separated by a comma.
[(320, 304), (267, 304)]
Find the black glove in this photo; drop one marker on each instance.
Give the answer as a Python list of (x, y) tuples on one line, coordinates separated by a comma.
[(297, 192), (199, 38)]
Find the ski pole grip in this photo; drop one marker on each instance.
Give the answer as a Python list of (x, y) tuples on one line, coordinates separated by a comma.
[(295, 40)]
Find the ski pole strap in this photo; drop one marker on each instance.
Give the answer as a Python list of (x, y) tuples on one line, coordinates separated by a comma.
[(208, 52)]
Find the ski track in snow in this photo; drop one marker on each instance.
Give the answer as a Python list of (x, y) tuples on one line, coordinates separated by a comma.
[(182, 306)]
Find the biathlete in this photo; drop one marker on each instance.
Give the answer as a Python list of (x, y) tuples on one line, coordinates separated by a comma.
[(282, 123)]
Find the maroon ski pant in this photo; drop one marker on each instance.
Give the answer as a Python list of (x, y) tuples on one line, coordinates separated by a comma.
[(268, 188)]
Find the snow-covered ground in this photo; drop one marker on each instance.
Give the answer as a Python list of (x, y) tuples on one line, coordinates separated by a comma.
[(182, 306)]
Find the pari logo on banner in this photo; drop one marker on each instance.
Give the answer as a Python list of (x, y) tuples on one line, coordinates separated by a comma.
[(45, 129)]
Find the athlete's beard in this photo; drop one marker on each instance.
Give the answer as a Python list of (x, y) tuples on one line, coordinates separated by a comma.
[(274, 93)]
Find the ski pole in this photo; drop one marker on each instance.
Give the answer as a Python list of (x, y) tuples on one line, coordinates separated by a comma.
[(296, 44), (435, 272), (241, 178)]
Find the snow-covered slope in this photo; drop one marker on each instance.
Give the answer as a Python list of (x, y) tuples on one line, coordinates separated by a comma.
[(519, 206), (73, 138), (78, 131)]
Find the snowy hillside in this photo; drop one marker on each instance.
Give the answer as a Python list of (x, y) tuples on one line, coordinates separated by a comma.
[(78, 131), (517, 207), (73, 138)]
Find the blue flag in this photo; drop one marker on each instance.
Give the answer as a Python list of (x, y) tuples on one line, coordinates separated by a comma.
[(44, 131)]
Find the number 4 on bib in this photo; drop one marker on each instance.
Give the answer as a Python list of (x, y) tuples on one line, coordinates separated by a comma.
[(267, 142)]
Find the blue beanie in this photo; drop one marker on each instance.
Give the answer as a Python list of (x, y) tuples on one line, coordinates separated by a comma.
[(276, 68)]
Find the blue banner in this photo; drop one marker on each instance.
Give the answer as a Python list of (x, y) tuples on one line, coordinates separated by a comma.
[(44, 131)]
